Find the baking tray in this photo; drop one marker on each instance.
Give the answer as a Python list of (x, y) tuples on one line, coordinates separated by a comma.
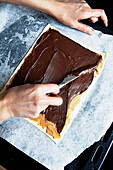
[(98, 157)]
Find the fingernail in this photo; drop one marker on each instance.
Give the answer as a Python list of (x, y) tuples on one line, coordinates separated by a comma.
[(106, 23), (60, 101), (58, 90)]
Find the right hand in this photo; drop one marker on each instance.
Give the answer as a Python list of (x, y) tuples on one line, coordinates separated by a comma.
[(29, 100)]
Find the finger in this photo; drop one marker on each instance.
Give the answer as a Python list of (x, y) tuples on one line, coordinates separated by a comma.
[(83, 28), (88, 13), (48, 88), (94, 19), (104, 18), (54, 101)]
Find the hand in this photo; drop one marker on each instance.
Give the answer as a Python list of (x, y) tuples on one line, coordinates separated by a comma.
[(71, 13), (29, 100)]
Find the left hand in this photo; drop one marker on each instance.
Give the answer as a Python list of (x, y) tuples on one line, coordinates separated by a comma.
[(71, 13)]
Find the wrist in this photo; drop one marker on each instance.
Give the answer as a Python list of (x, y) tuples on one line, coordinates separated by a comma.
[(4, 114), (53, 8), (49, 7), (57, 9)]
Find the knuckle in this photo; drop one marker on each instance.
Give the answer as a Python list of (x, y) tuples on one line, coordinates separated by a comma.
[(39, 90), (72, 24), (83, 10), (37, 101)]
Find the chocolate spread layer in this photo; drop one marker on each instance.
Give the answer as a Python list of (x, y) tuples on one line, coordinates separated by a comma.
[(53, 58)]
